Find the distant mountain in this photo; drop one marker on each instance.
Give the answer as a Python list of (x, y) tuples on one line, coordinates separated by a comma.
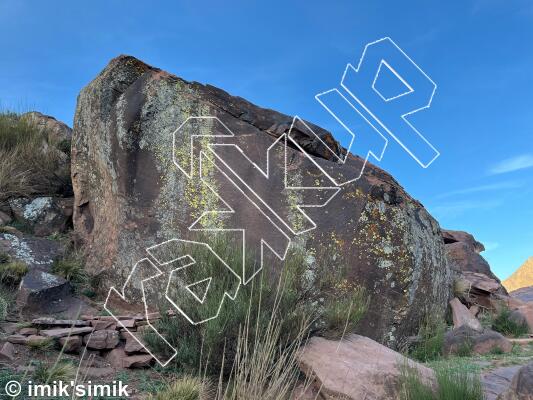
[(522, 277)]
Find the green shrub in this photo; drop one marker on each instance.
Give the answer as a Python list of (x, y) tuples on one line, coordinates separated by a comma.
[(465, 349), (30, 162), (506, 325), (452, 384), (431, 340), (12, 272), (292, 294)]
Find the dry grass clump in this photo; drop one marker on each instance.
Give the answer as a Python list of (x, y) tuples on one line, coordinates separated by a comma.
[(12, 272), (186, 387), (30, 160)]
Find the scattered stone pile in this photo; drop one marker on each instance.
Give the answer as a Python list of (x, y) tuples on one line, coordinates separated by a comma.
[(103, 334)]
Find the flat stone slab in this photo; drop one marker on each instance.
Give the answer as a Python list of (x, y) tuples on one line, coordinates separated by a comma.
[(52, 321), (497, 381), (61, 332)]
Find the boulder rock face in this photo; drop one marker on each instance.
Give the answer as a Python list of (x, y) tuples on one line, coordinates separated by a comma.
[(55, 129), (462, 316), (465, 340), (130, 195), (45, 215), (357, 368)]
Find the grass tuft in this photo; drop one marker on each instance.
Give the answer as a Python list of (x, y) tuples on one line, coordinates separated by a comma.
[(12, 272), (431, 340), (185, 388), (60, 371), (452, 384), (509, 326)]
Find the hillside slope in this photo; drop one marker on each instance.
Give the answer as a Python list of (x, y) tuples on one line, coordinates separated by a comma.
[(522, 277)]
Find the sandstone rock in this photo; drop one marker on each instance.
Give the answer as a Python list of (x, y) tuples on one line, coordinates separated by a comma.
[(62, 332), (524, 314), (470, 268), (497, 381), (474, 310), (5, 218), (357, 368), (521, 385), (37, 253), (7, 352), (125, 186), (17, 339), (482, 282), (451, 237), (524, 294), (462, 316), (70, 344), (127, 323), (137, 361), (100, 340), (28, 331), (46, 215), (304, 392), (100, 325), (132, 345), (116, 356), (53, 321), (40, 291), (56, 130), (9, 327), (466, 339)]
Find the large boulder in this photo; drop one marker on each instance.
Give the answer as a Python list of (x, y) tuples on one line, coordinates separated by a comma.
[(357, 368), (465, 340), (462, 316), (44, 215), (55, 130), (129, 195), (472, 274)]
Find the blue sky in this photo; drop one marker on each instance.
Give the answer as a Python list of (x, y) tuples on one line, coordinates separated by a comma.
[(280, 54)]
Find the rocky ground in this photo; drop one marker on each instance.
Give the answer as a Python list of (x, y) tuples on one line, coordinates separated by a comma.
[(59, 255)]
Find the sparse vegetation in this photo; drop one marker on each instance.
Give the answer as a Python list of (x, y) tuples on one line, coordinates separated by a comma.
[(41, 345), (30, 162), (431, 339), (291, 295), (4, 258), (185, 388), (453, 383), (60, 371), (504, 323), (12, 272), (461, 288), (71, 268), (265, 366)]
